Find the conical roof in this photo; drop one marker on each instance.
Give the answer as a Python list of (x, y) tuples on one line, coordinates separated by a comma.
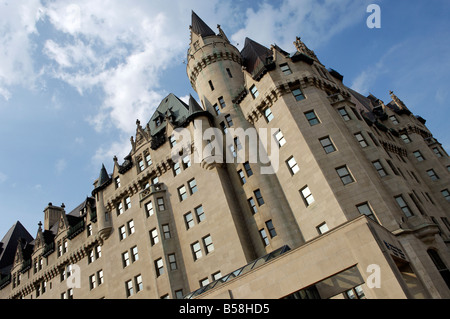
[(255, 57), (200, 27)]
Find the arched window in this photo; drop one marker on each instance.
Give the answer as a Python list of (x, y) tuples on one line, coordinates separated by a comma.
[(440, 265)]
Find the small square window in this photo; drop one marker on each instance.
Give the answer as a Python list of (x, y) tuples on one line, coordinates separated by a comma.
[(379, 167), (280, 138), (327, 145), (292, 164), (285, 69), (432, 174), (343, 112), (298, 94), (418, 155), (345, 175), (446, 194), (312, 118), (182, 193), (259, 197), (307, 196), (322, 228)]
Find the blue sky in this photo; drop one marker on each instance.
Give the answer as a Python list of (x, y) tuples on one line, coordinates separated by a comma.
[(75, 75)]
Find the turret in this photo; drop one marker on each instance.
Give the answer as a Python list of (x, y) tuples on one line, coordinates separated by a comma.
[(103, 216)]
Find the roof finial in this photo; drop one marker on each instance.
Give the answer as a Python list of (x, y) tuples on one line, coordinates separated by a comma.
[(302, 48)]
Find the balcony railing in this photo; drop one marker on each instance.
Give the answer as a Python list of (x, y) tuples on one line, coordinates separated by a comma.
[(75, 230)]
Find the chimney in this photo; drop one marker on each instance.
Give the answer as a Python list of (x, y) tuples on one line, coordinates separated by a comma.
[(51, 215)]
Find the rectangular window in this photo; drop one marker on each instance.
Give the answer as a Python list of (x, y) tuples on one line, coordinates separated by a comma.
[(92, 282), (159, 267), (222, 102), (119, 209), (166, 231), (148, 158), (432, 174), (154, 239), (176, 169), (379, 168), (446, 194), (127, 202), (280, 138), (242, 176), (322, 228), (223, 127), (345, 175), (211, 85), (259, 197), (125, 259), (229, 120), (268, 115), (418, 156), (405, 138), (216, 109), (312, 118), (149, 209), (437, 152), (307, 196), (327, 145), (122, 232), (393, 119), (204, 282), (172, 261), (292, 164), (134, 254), (196, 250), (403, 206), (172, 141), (361, 140), (193, 186), (100, 277), (129, 288), (138, 283), (161, 205), (252, 204), (229, 73), (271, 229), (117, 181), (186, 162), (263, 234), (248, 169), (254, 91), (199, 212), (365, 209), (343, 112), (130, 226), (182, 194), (298, 94), (208, 244), (285, 69), (189, 220)]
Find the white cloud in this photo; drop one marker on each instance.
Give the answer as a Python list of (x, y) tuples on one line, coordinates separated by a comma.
[(106, 153)]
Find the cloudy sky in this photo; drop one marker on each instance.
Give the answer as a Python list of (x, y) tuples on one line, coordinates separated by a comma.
[(75, 75)]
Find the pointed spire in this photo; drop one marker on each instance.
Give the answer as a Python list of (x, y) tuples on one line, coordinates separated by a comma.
[(104, 177), (194, 106), (199, 27)]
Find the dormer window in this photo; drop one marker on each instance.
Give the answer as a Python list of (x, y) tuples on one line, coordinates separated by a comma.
[(158, 121)]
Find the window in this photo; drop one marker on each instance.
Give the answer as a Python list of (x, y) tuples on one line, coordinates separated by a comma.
[(263, 234), (344, 114), (122, 233), (100, 277), (138, 283), (259, 197), (280, 138), (432, 175), (172, 141), (149, 209), (292, 164), (179, 293), (285, 69), (176, 169), (182, 193), (125, 259), (216, 109), (172, 261), (393, 119), (403, 206), (365, 209), (166, 231), (355, 293), (196, 250), (344, 174), (437, 152), (130, 226), (204, 282), (327, 145), (189, 220), (307, 196), (200, 213), (119, 209), (192, 186), (268, 115), (271, 229), (89, 230), (312, 118), (440, 265), (361, 140), (129, 288), (154, 239), (405, 138), (229, 120), (159, 267), (211, 85), (229, 73), (242, 176), (160, 202), (141, 164), (207, 242), (127, 202), (248, 169), (186, 162), (379, 168), (148, 158), (322, 228), (446, 194), (223, 127), (134, 254), (418, 156), (117, 181), (222, 102), (298, 94), (254, 91), (252, 204)]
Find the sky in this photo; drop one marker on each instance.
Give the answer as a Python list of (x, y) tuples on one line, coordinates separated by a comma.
[(76, 75)]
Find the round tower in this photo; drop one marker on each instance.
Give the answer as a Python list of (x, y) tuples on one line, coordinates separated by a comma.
[(103, 217)]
